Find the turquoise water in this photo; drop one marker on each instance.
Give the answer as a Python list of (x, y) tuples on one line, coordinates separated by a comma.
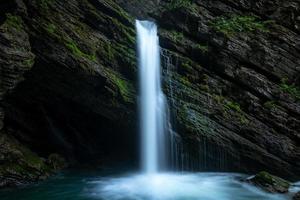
[(184, 186)]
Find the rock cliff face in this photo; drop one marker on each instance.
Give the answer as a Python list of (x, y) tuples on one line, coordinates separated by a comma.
[(231, 72)]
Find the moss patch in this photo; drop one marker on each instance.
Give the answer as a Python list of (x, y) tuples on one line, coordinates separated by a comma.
[(203, 48), (229, 107), (270, 104), (176, 36), (124, 87), (44, 4), (177, 4), (72, 46), (238, 24), (51, 29), (28, 62), (14, 21), (270, 183), (291, 89)]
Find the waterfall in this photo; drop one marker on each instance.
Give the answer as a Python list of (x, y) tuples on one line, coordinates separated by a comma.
[(153, 113)]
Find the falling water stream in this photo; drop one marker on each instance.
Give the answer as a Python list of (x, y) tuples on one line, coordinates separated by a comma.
[(153, 102), (153, 182)]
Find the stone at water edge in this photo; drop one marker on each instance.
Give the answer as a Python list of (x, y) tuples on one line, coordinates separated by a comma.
[(269, 183), (57, 162), (297, 196)]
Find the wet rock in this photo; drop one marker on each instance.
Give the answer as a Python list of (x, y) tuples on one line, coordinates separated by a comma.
[(56, 162), (296, 196), (18, 164), (270, 183)]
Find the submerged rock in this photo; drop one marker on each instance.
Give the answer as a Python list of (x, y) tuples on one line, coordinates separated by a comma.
[(297, 196), (270, 183)]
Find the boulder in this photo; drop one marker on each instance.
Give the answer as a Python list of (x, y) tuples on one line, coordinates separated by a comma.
[(270, 183)]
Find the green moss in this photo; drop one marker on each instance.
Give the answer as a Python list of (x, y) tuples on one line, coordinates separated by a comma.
[(28, 62), (12, 168), (14, 21), (265, 178), (270, 105), (204, 87), (176, 4), (44, 4), (189, 116), (51, 29), (203, 48), (176, 36), (125, 88), (229, 107), (291, 89), (184, 80), (127, 32), (187, 66), (21, 161), (72, 46), (237, 24), (107, 52), (126, 54)]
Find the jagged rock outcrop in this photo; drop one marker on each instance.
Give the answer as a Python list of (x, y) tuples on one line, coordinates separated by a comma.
[(231, 72), (242, 75)]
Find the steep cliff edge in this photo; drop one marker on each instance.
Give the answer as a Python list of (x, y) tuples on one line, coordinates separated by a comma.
[(231, 70)]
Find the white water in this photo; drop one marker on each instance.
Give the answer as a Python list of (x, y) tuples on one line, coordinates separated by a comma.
[(165, 186), (152, 99)]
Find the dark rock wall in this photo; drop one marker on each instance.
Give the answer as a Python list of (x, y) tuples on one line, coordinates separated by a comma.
[(234, 92), (232, 80)]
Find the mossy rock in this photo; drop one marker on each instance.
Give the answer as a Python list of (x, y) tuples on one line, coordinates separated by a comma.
[(56, 162), (19, 165), (270, 183)]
